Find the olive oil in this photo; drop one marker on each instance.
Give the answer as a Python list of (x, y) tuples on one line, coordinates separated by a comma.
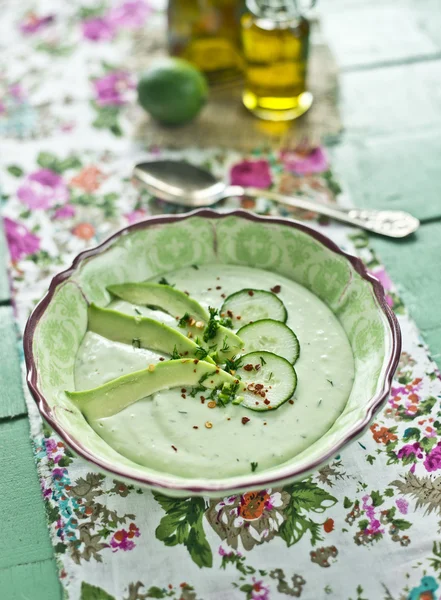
[(207, 34), (275, 43)]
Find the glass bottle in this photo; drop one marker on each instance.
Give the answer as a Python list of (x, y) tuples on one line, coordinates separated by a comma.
[(207, 34), (275, 39)]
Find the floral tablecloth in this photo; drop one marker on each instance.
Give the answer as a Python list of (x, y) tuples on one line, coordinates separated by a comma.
[(365, 527)]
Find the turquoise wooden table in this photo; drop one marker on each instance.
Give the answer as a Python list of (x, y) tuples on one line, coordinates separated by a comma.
[(389, 52)]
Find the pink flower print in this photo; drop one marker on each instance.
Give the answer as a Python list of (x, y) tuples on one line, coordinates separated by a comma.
[(65, 212), (402, 505), (374, 524), (409, 449), (33, 23), (304, 160), (43, 189), (21, 241), (122, 539), (251, 173), (98, 29), (433, 459), (111, 90), (16, 92), (259, 591), (135, 215), (130, 15), (383, 278)]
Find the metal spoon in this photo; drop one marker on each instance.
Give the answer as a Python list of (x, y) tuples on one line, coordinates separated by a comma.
[(181, 183)]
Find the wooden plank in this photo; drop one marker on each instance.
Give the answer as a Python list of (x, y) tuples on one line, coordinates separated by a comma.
[(414, 266), (31, 581), (393, 100), (4, 282), (22, 517), (394, 172), (362, 35), (12, 401)]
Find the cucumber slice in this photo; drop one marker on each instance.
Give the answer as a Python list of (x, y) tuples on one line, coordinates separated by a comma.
[(250, 305), (165, 297), (273, 336), (141, 332), (270, 380), (112, 397)]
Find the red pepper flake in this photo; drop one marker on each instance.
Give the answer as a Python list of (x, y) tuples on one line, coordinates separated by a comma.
[(195, 427), (265, 423), (248, 367), (202, 399), (194, 370), (218, 278), (186, 293), (212, 380), (238, 318), (245, 420), (276, 289), (262, 393), (218, 287), (257, 367), (257, 404), (185, 353), (174, 448), (183, 391), (183, 396), (259, 386), (217, 371), (230, 314), (228, 419), (266, 402), (250, 293), (209, 289), (223, 296), (291, 401), (162, 358), (196, 360)]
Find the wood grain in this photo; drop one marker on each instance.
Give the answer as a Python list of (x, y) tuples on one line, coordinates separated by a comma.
[(23, 522)]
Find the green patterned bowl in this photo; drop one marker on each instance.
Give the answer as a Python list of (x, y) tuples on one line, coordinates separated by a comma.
[(160, 244)]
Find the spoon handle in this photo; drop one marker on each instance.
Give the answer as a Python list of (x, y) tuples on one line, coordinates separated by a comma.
[(390, 223)]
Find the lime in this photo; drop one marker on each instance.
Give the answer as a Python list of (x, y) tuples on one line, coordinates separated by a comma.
[(172, 91)]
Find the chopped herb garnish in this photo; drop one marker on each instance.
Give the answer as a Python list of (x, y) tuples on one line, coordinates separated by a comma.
[(175, 354), (184, 320), (225, 346), (270, 376), (331, 382), (204, 377), (212, 325), (254, 466), (262, 361), (195, 267), (138, 312), (226, 322), (319, 402), (163, 281), (136, 343), (201, 353), (228, 393), (232, 364)]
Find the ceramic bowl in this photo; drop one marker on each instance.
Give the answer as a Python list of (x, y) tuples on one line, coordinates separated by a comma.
[(160, 244)]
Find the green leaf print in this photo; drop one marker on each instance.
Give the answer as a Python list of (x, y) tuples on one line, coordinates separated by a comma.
[(401, 524), (411, 433), (182, 524), (347, 503), (377, 498), (47, 160), (92, 592), (305, 496), (15, 170), (435, 560)]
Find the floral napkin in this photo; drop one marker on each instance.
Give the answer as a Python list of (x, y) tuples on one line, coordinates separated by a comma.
[(366, 526)]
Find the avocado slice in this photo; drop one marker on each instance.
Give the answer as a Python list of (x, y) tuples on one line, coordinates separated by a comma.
[(142, 331), (112, 397), (165, 297)]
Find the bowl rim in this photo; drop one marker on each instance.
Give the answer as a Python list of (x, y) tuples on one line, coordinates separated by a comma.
[(214, 487)]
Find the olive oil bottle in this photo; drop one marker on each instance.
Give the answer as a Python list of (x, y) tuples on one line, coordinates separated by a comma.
[(275, 39), (207, 34)]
